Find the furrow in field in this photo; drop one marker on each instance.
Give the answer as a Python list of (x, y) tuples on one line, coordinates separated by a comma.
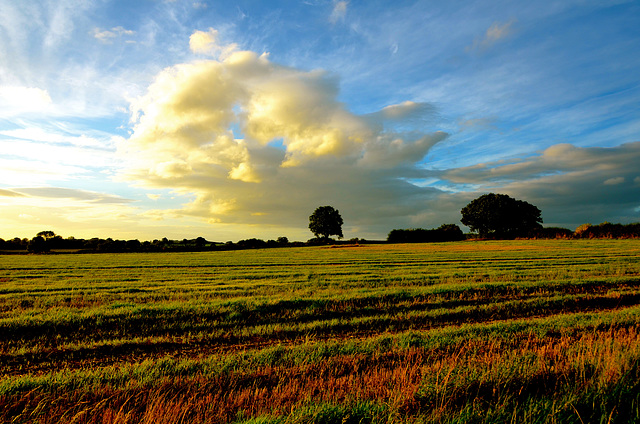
[(46, 359)]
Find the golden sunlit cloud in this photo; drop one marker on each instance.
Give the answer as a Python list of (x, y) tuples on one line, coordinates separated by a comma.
[(202, 42), (254, 142)]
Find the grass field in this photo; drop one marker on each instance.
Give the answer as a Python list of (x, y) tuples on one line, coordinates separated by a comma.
[(517, 331)]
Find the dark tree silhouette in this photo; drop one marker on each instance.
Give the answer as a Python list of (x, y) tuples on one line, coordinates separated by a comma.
[(200, 242), (500, 216), (38, 245), (283, 240), (446, 232), (325, 222), (46, 234)]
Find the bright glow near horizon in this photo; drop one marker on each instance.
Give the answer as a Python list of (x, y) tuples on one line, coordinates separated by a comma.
[(179, 119)]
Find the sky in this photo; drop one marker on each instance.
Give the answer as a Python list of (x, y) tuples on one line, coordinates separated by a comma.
[(231, 120)]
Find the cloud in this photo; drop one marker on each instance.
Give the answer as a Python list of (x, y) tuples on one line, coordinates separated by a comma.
[(38, 134), (557, 159), (30, 171), (10, 193), (202, 42), (339, 11), (254, 142), (392, 150), (571, 184), (478, 123), (15, 100), (40, 154), (614, 181), (70, 193), (405, 112), (107, 36), (493, 35), (77, 212)]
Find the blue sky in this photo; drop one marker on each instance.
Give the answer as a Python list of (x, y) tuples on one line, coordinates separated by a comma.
[(180, 119)]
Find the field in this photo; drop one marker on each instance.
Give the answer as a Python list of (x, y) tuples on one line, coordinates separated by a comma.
[(517, 331)]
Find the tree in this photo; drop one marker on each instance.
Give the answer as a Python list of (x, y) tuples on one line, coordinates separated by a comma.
[(201, 242), (500, 216), (326, 221), (46, 234), (38, 245), (283, 240), (449, 232)]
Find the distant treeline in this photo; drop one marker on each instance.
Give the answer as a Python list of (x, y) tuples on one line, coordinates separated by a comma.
[(446, 232), (47, 241), (603, 230), (608, 230), (451, 232), (41, 244)]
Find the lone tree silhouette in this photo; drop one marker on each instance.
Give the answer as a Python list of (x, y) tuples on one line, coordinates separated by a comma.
[(500, 216), (326, 221)]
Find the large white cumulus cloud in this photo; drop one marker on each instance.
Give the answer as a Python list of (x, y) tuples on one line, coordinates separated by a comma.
[(258, 143)]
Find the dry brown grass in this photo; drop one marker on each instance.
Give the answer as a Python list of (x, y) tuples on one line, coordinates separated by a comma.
[(407, 382)]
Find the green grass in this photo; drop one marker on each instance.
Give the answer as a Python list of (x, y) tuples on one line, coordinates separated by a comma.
[(518, 331)]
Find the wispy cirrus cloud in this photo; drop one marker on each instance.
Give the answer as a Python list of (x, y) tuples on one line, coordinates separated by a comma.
[(71, 194), (339, 11), (496, 33), (109, 35), (39, 154)]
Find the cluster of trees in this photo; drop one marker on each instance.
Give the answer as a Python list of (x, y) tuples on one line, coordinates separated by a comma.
[(608, 230), (498, 216), (446, 232), (490, 215)]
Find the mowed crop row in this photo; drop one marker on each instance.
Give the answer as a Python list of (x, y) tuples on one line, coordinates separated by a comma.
[(521, 331)]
